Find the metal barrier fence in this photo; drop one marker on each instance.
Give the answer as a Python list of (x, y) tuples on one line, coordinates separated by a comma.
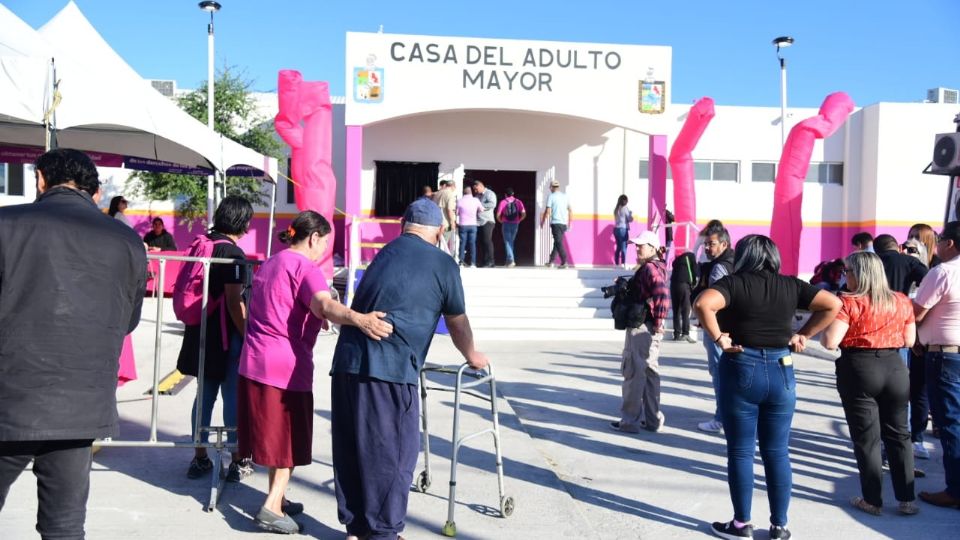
[(216, 483)]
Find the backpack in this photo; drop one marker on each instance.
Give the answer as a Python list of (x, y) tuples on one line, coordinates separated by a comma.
[(511, 211), (188, 289)]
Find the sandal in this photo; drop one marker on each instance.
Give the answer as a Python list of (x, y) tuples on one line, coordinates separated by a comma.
[(861, 504), (908, 508)]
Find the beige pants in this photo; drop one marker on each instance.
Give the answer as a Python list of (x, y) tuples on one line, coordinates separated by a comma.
[(640, 368)]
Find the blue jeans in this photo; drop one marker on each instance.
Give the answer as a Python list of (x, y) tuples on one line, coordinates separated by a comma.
[(509, 236), (943, 388), (713, 359), (468, 235), (620, 235), (227, 388), (758, 394)]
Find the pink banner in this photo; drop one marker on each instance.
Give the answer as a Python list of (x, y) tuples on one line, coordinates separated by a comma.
[(787, 222), (681, 164), (305, 122)]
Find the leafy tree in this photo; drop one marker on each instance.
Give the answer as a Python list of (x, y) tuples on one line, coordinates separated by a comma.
[(235, 117)]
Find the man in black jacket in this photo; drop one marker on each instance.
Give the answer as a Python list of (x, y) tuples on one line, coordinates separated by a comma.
[(903, 271), (716, 245), (684, 277), (72, 287)]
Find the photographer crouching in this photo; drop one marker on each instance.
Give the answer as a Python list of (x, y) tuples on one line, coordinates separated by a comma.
[(641, 311)]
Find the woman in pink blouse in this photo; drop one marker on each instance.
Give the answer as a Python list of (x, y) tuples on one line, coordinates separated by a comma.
[(290, 300)]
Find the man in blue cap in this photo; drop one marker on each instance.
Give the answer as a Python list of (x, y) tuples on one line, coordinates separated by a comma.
[(375, 408)]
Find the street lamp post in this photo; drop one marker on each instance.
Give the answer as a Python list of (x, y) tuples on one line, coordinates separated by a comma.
[(212, 7), (781, 43)]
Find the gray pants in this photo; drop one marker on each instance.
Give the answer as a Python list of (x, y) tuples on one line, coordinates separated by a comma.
[(640, 368), (449, 242)]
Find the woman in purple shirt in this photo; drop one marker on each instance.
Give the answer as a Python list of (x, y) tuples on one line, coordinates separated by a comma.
[(468, 208), (289, 303)]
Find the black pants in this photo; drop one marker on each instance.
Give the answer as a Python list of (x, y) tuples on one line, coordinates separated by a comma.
[(485, 232), (680, 300), (376, 439), (874, 387), (62, 469), (919, 404), (558, 230)]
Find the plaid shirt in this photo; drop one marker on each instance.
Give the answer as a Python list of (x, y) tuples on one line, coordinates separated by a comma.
[(654, 290)]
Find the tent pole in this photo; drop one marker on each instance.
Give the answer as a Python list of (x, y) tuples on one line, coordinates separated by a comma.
[(270, 226)]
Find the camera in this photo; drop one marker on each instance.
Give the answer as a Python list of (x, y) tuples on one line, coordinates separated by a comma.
[(619, 286)]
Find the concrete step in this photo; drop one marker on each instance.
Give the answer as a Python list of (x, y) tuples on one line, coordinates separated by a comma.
[(540, 323), (521, 284), (569, 290), (544, 273), (514, 334), (538, 312), (590, 301), (540, 303)]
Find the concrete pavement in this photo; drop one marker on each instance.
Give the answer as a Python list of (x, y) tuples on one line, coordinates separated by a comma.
[(570, 475)]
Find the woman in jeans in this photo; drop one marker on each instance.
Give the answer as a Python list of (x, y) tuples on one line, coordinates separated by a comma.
[(749, 314), (874, 385), (622, 216)]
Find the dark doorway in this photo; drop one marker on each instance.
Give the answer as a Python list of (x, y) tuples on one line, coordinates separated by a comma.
[(399, 183), (524, 184)]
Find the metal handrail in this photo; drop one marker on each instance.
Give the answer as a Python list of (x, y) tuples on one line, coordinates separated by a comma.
[(195, 442)]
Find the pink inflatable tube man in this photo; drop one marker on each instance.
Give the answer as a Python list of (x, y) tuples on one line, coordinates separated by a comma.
[(787, 222), (681, 164), (305, 123)]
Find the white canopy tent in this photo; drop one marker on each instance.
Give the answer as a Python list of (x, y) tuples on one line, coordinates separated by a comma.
[(105, 105)]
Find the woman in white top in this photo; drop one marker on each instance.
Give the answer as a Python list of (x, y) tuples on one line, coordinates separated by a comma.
[(117, 205)]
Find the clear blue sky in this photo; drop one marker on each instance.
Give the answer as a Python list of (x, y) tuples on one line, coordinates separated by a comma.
[(880, 50)]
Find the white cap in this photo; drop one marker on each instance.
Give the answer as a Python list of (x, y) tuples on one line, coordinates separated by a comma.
[(647, 237)]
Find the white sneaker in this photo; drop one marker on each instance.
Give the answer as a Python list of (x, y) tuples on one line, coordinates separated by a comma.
[(712, 426), (920, 451)]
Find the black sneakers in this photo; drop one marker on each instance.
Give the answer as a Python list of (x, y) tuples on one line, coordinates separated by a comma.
[(239, 471), (731, 532), (200, 466), (779, 533)]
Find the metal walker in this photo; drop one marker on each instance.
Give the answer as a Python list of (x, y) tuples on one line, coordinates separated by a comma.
[(480, 378)]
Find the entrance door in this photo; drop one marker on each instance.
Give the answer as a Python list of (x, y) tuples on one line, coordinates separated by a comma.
[(524, 184)]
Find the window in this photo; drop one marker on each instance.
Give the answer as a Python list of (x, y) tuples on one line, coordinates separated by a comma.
[(11, 179), (399, 183), (825, 173), (703, 170), (3, 177), (764, 172), (645, 170), (717, 171)]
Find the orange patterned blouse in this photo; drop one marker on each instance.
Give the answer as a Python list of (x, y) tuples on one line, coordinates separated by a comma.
[(869, 331)]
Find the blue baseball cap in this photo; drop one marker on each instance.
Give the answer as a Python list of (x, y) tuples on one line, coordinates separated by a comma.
[(423, 212)]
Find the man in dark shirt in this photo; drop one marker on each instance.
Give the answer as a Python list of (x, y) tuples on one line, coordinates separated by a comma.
[(903, 271), (716, 246), (72, 287), (375, 406), (158, 239)]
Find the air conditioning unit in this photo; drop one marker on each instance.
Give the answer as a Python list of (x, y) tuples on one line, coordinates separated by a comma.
[(943, 95), (946, 154)]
